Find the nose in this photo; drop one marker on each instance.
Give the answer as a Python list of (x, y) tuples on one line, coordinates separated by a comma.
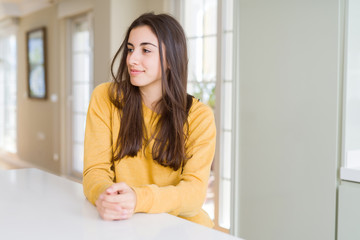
[(133, 57)]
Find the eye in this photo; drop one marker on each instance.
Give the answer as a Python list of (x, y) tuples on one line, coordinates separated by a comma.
[(130, 50), (146, 50)]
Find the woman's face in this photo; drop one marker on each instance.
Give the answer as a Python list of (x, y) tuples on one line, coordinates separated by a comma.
[(143, 59)]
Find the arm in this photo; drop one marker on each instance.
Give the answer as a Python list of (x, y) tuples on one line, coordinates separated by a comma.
[(186, 198), (98, 175)]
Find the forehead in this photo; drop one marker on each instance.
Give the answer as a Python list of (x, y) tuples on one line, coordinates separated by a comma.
[(142, 34)]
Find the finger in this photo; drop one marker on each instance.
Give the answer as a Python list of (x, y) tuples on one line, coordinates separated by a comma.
[(99, 200), (117, 187), (126, 215), (118, 198), (108, 211), (113, 206), (108, 214), (125, 200), (101, 203)]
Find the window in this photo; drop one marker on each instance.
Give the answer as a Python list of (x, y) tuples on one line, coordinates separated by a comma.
[(208, 27), (8, 92), (351, 123), (80, 88), (200, 18)]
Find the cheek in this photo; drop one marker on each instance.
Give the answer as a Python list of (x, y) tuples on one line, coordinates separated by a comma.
[(156, 65), (156, 69)]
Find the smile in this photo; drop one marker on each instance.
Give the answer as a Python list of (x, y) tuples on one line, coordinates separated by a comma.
[(135, 72)]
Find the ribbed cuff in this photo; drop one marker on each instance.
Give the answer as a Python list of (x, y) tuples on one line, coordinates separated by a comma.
[(97, 190), (144, 199)]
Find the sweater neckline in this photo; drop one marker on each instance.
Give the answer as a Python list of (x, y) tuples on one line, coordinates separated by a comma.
[(147, 111)]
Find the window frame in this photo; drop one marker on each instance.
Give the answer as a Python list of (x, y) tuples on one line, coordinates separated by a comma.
[(219, 93), (70, 171), (346, 173)]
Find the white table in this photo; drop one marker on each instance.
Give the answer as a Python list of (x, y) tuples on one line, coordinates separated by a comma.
[(37, 205)]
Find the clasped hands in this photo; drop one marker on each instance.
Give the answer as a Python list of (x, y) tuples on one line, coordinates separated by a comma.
[(117, 202)]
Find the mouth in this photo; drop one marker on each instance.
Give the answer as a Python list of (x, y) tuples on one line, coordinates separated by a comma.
[(135, 72)]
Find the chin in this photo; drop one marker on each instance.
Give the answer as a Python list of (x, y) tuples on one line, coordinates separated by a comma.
[(134, 83)]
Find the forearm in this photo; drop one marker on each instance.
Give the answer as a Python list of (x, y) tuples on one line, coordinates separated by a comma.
[(97, 174), (95, 182), (185, 199)]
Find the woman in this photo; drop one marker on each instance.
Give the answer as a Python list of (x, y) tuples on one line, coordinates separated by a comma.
[(148, 144)]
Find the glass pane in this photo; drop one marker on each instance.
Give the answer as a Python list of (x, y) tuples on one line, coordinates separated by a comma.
[(210, 17), (209, 55), (228, 58), (10, 118), (79, 127), (82, 70), (192, 88), (8, 93), (227, 106), (209, 205), (226, 156), (193, 17), (195, 50), (78, 157), (229, 9), (2, 98), (224, 203), (353, 159), (81, 97), (81, 67), (81, 37), (203, 91), (352, 123)]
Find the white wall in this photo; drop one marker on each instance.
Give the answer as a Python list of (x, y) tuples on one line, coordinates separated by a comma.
[(38, 121), (102, 40), (349, 192), (349, 211), (289, 89)]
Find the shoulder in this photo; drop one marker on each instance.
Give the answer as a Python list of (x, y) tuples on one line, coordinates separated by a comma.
[(102, 89), (201, 122), (101, 92), (200, 114), (200, 110), (100, 96)]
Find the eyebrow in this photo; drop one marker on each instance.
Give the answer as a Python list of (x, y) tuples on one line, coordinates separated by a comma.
[(142, 44)]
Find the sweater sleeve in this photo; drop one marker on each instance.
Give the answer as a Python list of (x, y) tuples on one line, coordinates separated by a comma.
[(98, 174), (187, 197)]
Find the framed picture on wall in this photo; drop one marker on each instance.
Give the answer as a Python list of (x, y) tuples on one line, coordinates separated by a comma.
[(36, 63)]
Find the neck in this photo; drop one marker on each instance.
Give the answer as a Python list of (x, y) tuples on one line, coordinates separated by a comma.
[(150, 99)]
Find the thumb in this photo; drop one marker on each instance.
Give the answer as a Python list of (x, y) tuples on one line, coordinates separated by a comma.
[(117, 188)]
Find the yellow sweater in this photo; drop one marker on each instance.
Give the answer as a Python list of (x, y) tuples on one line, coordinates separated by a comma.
[(158, 189)]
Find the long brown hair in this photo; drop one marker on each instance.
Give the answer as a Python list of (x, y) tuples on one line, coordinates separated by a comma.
[(171, 128)]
